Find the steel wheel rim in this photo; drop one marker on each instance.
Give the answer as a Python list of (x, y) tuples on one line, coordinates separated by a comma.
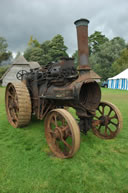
[(64, 138), (107, 123)]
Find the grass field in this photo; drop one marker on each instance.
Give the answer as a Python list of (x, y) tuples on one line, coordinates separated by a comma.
[(27, 166)]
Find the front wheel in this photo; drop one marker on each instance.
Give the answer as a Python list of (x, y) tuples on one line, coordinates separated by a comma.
[(107, 122), (62, 133)]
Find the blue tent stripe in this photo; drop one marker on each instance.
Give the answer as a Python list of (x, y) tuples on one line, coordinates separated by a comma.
[(123, 83), (118, 84), (112, 83)]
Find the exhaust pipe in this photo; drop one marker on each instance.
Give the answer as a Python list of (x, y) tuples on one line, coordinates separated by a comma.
[(82, 40)]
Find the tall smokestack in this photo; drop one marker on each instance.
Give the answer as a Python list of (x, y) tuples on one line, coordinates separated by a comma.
[(82, 39)]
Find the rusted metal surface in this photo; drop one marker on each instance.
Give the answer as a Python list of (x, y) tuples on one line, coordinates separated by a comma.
[(62, 133), (82, 38), (45, 92), (18, 104), (107, 122)]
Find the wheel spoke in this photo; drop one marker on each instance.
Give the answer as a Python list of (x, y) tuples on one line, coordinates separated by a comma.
[(55, 120), (16, 104), (96, 123), (51, 131), (113, 117), (14, 117), (96, 117), (10, 106), (63, 122), (99, 128), (10, 95), (110, 130), (106, 127), (65, 128), (103, 110), (113, 123), (67, 145), (53, 135), (100, 111), (109, 112), (18, 76)]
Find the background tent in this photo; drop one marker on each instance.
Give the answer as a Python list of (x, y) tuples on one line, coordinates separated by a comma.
[(120, 81)]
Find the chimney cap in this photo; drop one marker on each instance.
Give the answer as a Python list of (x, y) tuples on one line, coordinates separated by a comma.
[(81, 22)]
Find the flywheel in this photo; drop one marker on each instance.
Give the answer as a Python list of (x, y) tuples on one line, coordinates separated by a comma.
[(18, 104)]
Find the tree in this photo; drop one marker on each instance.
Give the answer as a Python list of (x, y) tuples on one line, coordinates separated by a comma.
[(57, 48), (75, 56), (4, 53), (27, 53), (37, 55), (3, 44), (108, 52), (34, 54), (121, 63), (45, 46), (33, 42), (95, 40), (31, 53), (49, 51), (46, 49)]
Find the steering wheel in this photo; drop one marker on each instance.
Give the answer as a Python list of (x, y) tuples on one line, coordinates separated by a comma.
[(20, 74)]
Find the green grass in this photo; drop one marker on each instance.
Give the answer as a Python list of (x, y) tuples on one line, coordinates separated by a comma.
[(27, 166)]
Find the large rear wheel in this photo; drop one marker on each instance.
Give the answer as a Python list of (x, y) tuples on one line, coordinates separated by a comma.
[(62, 133), (18, 104), (107, 122)]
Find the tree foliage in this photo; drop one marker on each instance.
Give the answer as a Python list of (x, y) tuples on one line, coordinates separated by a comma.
[(121, 63), (57, 48), (2, 71), (48, 51), (33, 42), (108, 52), (4, 53), (75, 56), (95, 40)]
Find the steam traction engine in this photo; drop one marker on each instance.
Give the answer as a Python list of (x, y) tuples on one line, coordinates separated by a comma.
[(45, 92)]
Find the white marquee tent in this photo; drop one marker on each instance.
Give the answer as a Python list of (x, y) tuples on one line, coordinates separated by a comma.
[(120, 81)]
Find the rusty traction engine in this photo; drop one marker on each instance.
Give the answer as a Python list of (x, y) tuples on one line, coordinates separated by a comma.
[(45, 92)]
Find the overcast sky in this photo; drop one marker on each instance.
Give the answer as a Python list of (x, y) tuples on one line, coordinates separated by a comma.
[(19, 19)]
